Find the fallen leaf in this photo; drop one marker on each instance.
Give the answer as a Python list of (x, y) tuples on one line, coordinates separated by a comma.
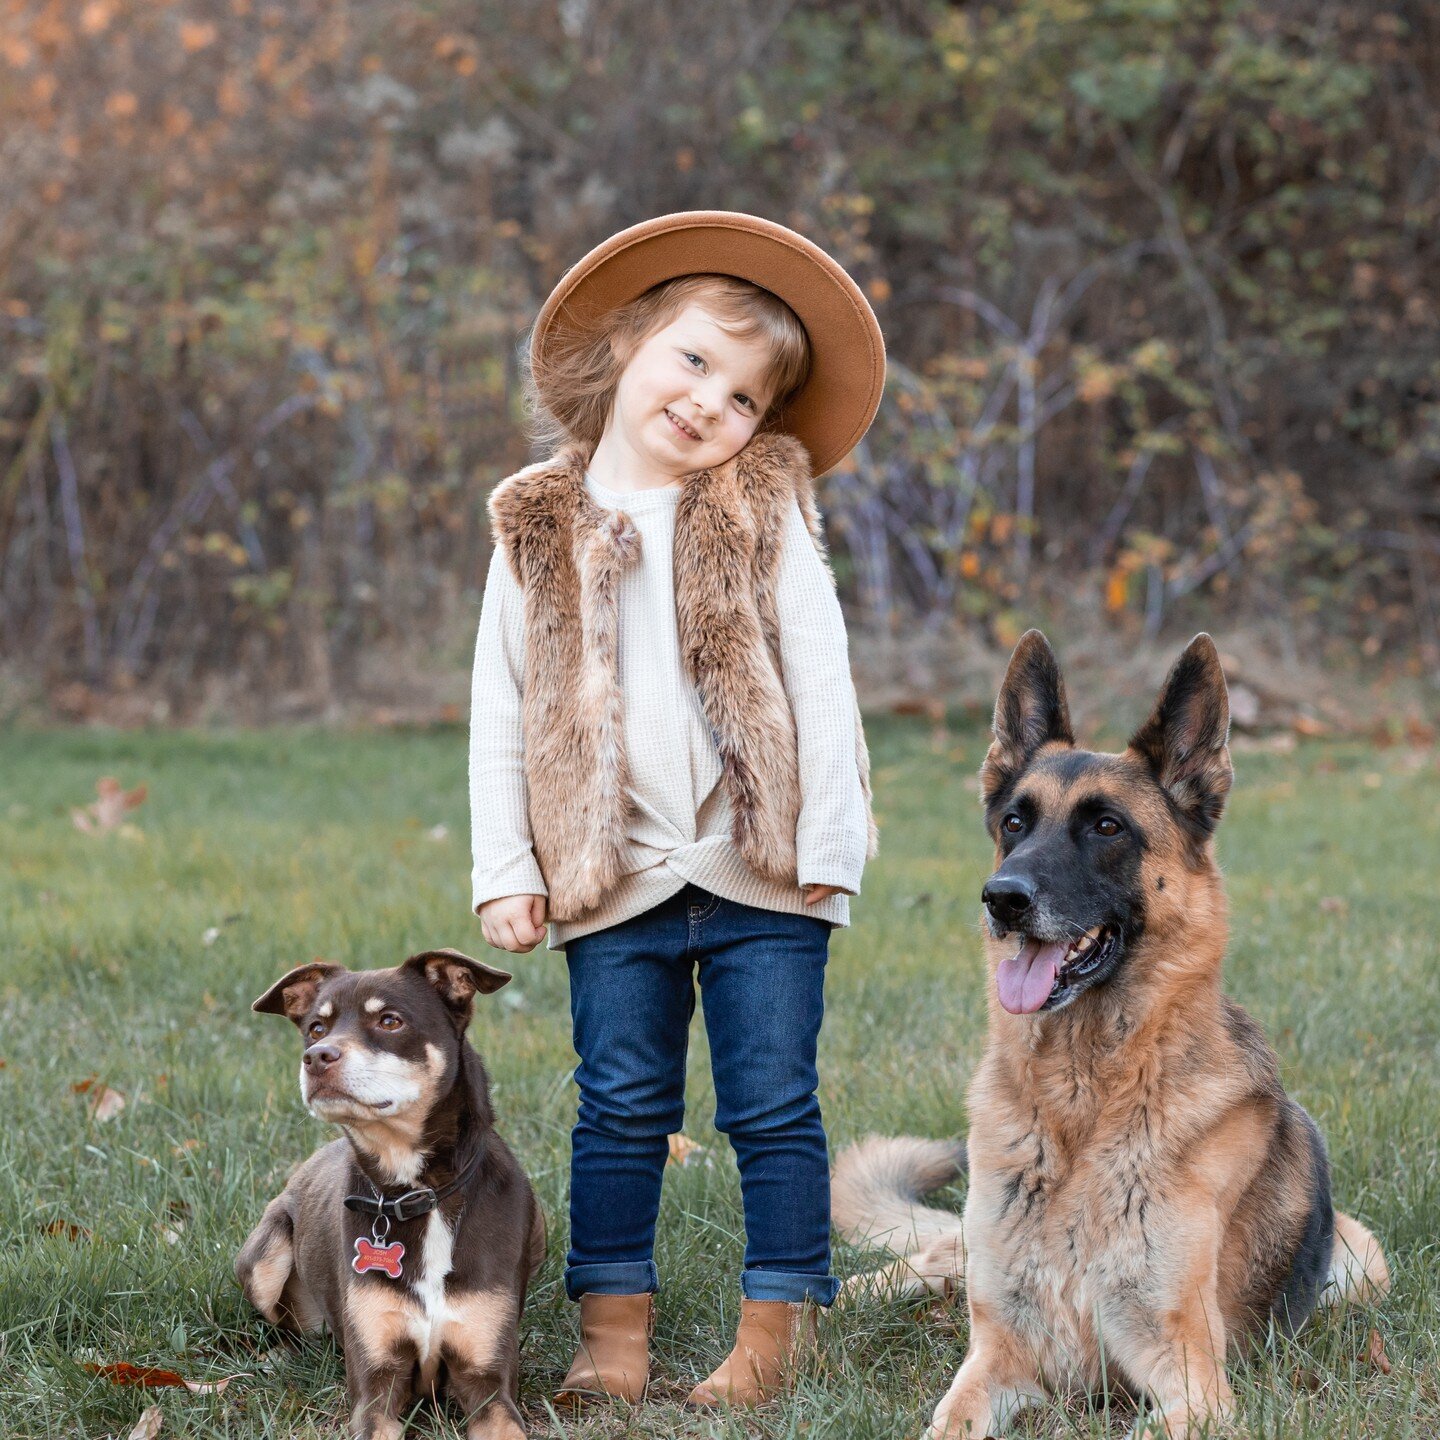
[(81, 1086), (68, 1228), (682, 1147), (149, 1424), (106, 1104), (107, 813), (1376, 1355), (149, 1377)]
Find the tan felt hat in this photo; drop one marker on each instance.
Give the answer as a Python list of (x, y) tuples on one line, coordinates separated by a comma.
[(833, 409)]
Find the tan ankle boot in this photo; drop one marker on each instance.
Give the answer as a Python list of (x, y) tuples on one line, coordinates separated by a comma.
[(773, 1337), (613, 1357)]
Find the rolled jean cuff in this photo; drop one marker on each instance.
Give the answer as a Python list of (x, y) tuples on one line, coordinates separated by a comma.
[(632, 1277), (790, 1286)]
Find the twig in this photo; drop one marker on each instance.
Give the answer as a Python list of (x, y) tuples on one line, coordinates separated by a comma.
[(1220, 560), (75, 544), (1210, 489), (1399, 540)]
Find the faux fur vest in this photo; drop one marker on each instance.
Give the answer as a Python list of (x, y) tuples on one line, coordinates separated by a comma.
[(568, 555)]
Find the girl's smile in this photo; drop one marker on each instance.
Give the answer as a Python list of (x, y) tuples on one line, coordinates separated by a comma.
[(682, 427)]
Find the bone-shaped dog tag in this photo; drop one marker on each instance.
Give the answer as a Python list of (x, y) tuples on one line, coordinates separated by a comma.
[(370, 1256)]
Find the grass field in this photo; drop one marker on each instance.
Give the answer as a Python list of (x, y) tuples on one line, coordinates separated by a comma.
[(291, 845)]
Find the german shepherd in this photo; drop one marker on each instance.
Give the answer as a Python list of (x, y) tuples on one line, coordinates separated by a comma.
[(1143, 1193)]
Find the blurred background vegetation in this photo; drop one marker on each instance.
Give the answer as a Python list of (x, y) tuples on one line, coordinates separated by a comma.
[(1160, 279)]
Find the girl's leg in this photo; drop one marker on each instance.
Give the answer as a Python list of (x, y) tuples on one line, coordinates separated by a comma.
[(631, 999), (762, 976)]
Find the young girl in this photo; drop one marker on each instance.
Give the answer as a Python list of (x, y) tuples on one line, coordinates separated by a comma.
[(666, 759)]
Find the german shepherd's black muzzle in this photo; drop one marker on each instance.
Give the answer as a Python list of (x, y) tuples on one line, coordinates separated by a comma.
[(1068, 885)]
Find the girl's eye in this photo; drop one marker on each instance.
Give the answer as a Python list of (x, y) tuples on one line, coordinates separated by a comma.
[(1012, 824), (1107, 825), (746, 401), (315, 1029), (390, 1021), (693, 359)]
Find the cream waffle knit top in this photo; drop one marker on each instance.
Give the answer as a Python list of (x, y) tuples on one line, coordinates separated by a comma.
[(680, 824)]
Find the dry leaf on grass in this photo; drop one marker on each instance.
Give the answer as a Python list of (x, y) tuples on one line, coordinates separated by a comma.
[(106, 1104), (66, 1228), (1376, 1355), (682, 1149), (107, 814), (150, 1377), (179, 1216), (152, 1418)]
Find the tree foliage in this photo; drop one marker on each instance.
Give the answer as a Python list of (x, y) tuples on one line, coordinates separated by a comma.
[(1159, 281)]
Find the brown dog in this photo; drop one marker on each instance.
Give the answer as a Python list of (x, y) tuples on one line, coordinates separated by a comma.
[(414, 1238), (1143, 1193)]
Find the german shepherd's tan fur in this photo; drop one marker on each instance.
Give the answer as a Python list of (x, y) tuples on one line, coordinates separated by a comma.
[(1143, 1194)]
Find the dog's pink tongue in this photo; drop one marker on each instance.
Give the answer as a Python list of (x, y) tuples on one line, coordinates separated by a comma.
[(1027, 977)]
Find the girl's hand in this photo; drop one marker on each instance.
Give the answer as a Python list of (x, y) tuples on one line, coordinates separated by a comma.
[(514, 922), (815, 893)]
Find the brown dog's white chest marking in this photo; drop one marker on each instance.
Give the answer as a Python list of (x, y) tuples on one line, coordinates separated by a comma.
[(387, 1319)]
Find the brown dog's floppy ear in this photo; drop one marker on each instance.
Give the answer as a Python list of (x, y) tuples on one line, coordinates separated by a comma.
[(456, 978), (1185, 740), (293, 994), (1030, 711)]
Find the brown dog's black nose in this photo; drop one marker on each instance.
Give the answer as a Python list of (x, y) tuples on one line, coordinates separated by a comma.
[(1008, 897), (321, 1057)]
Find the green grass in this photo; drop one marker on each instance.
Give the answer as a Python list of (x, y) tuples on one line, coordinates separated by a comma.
[(300, 844)]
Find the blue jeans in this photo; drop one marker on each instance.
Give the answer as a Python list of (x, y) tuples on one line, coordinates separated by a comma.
[(632, 993)]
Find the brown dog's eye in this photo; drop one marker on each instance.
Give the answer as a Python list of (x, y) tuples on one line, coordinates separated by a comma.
[(315, 1029), (390, 1021), (1012, 824), (1107, 825)]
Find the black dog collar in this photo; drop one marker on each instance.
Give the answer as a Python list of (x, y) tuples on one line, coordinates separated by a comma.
[(413, 1203)]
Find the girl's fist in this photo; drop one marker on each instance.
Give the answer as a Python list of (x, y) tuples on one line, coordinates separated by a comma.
[(514, 922)]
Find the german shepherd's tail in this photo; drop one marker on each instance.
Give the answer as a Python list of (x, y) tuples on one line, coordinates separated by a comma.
[(874, 1191)]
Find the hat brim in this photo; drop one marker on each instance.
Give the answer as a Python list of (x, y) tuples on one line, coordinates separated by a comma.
[(833, 409)]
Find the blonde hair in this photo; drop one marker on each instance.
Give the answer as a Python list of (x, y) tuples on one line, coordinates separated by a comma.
[(579, 375)]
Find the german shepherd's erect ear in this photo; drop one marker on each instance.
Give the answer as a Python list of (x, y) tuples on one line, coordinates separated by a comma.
[(1030, 712), (1185, 740)]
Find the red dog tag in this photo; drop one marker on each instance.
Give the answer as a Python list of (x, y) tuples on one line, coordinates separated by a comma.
[(370, 1256)]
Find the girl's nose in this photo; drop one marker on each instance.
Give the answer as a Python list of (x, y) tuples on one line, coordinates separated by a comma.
[(708, 399)]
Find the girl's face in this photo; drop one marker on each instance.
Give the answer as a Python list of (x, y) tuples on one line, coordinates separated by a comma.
[(691, 395)]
